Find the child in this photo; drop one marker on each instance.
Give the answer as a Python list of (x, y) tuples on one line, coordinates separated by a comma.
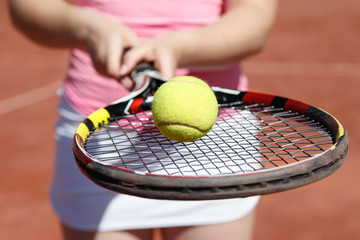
[(204, 38)]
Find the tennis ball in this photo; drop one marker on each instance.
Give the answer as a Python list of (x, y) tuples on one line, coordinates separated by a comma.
[(184, 108)]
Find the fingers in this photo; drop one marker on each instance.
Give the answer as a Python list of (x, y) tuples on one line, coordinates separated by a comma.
[(162, 57), (166, 63), (115, 52), (106, 43), (135, 56), (127, 83), (131, 41)]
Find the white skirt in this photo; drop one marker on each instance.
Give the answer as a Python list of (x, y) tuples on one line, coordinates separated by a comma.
[(81, 204)]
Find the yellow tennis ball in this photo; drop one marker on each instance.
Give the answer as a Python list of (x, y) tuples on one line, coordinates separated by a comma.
[(184, 108)]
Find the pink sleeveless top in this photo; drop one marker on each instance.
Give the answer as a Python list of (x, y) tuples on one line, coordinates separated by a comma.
[(86, 90)]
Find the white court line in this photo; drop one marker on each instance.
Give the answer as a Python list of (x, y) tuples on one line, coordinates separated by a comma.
[(28, 98), (302, 69)]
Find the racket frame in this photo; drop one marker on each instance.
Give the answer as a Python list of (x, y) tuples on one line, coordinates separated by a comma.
[(262, 182)]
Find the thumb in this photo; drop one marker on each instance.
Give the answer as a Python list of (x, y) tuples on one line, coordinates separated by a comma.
[(166, 63), (130, 59)]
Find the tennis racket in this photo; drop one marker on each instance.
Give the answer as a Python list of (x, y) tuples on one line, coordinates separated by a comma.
[(260, 144)]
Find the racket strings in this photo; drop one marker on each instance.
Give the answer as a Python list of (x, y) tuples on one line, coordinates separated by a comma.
[(244, 139), (146, 133), (142, 147), (240, 127), (290, 137)]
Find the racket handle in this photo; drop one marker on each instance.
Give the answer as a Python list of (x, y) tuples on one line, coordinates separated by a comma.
[(139, 73), (143, 67), (141, 70)]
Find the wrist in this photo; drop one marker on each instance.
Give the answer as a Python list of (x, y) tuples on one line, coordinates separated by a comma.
[(195, 48), (79, 25), (184, 44)]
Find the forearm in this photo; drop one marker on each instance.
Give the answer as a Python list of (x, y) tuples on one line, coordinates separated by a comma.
[(241, 32), (52, 23)]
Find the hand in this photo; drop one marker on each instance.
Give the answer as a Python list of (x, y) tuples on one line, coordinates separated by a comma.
[(105, 41), (161, 50)]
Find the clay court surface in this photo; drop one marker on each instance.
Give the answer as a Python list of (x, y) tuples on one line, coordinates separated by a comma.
[(313, 55)]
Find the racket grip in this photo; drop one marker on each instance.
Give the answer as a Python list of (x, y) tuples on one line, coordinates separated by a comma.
[(141, 73), (141, 70), (143, 67)]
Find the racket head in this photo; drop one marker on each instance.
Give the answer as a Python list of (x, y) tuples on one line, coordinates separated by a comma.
[(270, 117)]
